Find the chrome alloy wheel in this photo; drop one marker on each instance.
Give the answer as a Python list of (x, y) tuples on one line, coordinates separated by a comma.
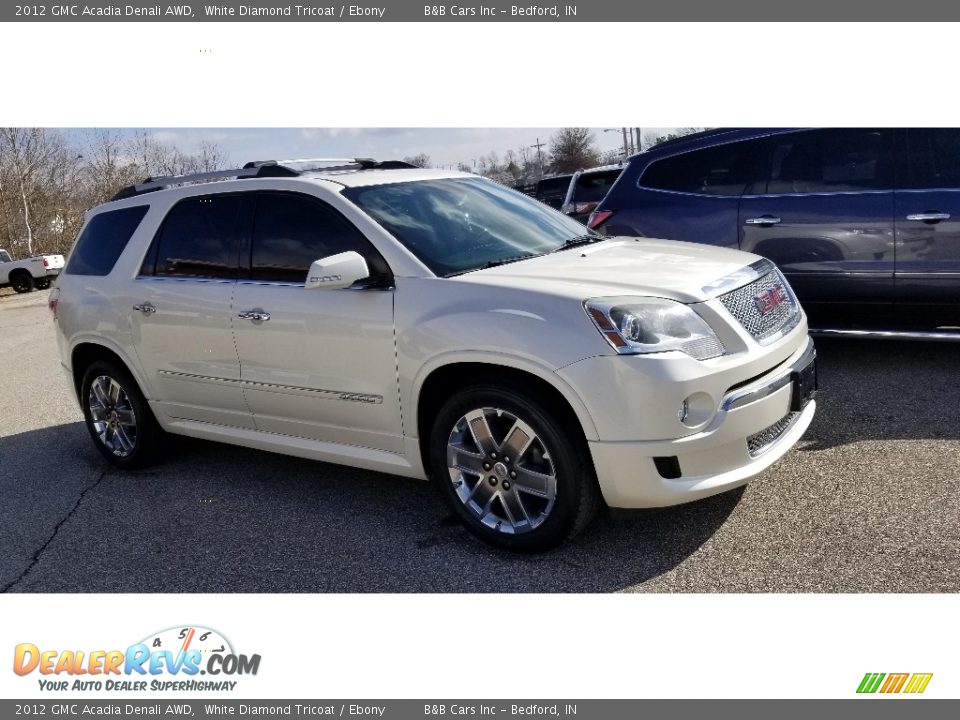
[(501, 470), (112, 415)]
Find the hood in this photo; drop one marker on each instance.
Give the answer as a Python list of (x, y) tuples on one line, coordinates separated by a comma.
[(624, 266)]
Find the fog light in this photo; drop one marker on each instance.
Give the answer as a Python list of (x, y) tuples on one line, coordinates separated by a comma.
[(696, 410)]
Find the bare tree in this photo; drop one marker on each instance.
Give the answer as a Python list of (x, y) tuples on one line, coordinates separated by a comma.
[(572, 149), (651, 138), (25, 151), (109, 166), (155, 158), (422, 160), (48, 181)]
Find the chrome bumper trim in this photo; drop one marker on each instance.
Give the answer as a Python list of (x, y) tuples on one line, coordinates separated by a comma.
[(751, 394)]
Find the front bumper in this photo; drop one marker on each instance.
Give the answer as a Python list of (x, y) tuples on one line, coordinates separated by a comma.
[(756, 424)]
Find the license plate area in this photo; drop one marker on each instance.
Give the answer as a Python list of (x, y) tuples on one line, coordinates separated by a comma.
[(804, 386)]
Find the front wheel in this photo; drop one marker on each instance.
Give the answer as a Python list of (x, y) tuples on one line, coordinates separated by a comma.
[(510, 470), (118, 417)]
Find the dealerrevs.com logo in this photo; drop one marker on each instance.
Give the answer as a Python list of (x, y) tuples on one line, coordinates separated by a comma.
[(893, 683), (174, 659)]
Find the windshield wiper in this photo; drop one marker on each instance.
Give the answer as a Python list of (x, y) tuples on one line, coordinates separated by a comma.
[(495, 263), (507, 260), (585, 239)]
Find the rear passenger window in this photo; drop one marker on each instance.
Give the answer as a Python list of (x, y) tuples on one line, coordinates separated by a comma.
[(832, 160), (200, 237), (292, 231), (721, 170), (102, 241), (932, 158), (593, 187)]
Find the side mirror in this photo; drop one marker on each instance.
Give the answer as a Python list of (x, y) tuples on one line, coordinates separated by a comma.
[(337, 271)]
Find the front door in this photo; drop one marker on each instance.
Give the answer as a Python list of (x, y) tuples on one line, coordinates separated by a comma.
[(824, 215), (318, 364)]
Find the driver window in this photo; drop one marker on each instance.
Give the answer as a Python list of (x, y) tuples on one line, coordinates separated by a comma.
[(291, 231)]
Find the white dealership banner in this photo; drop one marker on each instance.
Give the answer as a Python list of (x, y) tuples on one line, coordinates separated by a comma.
[(414, 646)]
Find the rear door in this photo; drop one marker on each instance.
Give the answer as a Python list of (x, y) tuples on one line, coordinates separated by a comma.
[(180, 311), (323, 365), (692, 196), (928, 227), (824, 214)]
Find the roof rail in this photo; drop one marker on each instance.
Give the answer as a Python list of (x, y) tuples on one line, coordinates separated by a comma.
[(151, 184), (290, 168), (262, 169)]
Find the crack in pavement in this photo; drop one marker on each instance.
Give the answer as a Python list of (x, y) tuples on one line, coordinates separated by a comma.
[(36, 556)]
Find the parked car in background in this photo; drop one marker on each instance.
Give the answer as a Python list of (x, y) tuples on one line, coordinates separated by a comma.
[(587, 188), (552, 190), (864, 222), (431, 324), (32, 273)]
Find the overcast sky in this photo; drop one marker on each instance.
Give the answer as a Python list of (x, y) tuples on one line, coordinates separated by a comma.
[(445, 146)]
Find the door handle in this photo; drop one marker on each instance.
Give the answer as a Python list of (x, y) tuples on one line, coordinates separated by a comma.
[(929, 217), (763, 220), (255, 315), (145, 308)]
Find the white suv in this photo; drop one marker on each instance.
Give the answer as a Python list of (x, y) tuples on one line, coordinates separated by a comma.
[(431, 324)]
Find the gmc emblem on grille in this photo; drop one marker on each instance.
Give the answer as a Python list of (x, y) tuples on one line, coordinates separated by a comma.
[(770, 299)]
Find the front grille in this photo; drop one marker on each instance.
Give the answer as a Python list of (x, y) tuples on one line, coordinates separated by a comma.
[(758, 442), (743, 304)]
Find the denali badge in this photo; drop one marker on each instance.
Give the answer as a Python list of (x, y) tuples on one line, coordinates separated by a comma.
[(770, 299)]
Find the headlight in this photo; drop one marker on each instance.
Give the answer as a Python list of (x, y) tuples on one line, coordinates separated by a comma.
[(651, 325)]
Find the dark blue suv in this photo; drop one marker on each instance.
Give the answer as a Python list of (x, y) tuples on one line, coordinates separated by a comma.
[(865, 222)]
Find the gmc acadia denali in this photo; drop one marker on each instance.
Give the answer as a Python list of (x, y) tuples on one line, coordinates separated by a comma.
[(434, 324)]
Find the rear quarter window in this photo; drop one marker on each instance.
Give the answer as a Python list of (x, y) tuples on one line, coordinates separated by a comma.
[(103, 240), (718, 170)]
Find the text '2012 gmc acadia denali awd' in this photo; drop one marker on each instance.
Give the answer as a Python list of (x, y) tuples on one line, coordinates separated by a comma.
[(431, 323)]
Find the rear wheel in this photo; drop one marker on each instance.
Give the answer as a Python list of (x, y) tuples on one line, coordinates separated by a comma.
[(118, 417), (510, 470), (21, 281)]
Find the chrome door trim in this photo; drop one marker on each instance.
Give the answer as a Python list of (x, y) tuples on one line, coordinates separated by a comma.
[(283, 389)]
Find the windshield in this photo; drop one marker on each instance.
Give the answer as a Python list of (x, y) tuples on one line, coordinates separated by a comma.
[(462, 224)]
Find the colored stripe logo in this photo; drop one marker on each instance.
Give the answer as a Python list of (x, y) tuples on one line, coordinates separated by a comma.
[(912, 683)]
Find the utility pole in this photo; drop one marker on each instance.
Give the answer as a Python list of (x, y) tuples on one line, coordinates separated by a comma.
[(539, 145)]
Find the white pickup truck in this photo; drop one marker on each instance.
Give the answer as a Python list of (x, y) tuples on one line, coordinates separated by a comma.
[(32, 273)]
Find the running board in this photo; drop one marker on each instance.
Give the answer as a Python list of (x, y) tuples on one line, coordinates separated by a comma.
[(935, 335)]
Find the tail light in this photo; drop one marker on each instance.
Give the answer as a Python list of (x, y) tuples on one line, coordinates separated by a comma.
[(599, 218), (46, 263), (53, 301), (580, 208)]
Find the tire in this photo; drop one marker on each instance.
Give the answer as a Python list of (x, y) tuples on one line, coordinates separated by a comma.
[(41, 283), (529, 503), (21, 281), (118, 417)]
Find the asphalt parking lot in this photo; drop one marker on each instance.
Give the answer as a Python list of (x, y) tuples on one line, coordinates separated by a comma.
[(869, 501)]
